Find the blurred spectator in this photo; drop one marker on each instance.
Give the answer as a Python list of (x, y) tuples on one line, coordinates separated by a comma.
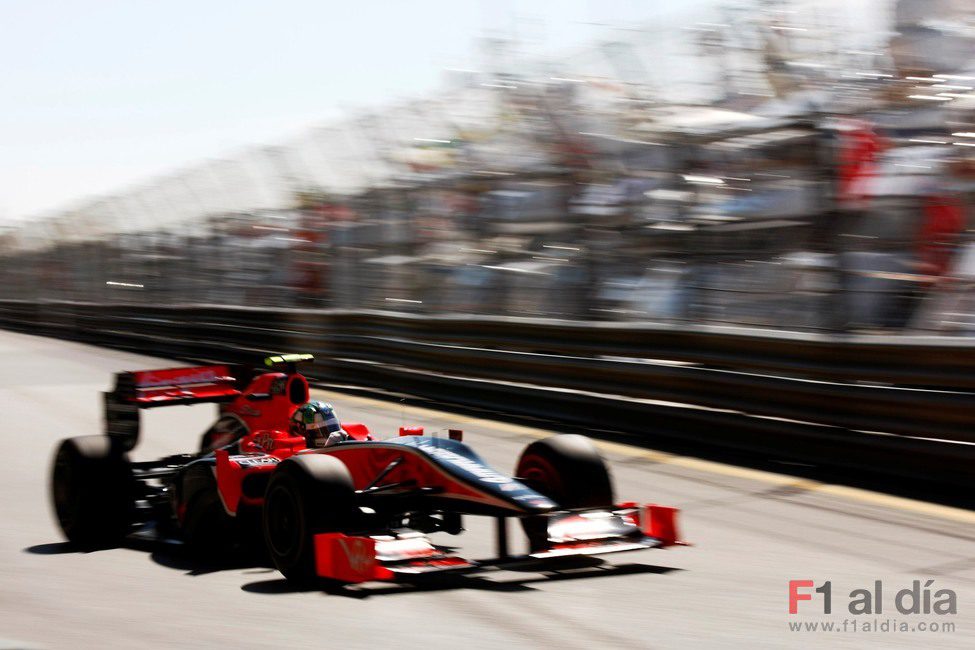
[(815, 189)]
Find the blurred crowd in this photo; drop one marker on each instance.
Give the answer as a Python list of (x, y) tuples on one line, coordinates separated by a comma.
[(840, 197)]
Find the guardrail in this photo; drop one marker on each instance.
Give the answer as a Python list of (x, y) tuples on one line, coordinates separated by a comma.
[(901, 406)]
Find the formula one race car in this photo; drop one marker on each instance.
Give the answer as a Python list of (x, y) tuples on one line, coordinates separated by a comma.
[(351, 512)]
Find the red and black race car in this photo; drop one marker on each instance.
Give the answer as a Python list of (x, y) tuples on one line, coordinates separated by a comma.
[(356, 511)]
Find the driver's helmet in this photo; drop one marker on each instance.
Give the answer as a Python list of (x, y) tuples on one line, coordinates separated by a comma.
[(317, 423)]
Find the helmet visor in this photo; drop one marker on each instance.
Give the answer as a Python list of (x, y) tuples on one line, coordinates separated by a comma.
[(331, 422)]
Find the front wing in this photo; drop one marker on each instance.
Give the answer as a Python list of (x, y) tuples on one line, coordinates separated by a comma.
[(627, 527)]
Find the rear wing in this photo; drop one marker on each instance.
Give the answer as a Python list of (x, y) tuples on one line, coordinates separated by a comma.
[(149, 388), (144, 389)]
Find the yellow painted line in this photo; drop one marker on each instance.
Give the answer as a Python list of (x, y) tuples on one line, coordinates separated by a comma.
[(899, 503), (695, 464)]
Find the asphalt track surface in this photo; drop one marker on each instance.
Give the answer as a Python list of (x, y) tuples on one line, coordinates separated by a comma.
[(752, 532)]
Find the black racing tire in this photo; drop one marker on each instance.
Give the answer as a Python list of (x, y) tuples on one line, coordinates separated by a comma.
[(306, 495), (93, 491), (207, 529), (569, 470), (225, 431)]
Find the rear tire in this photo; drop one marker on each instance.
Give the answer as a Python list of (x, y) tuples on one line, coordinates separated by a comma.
[(225, 431), (207, 529), (307, 495), (567, 469), (93, 491)]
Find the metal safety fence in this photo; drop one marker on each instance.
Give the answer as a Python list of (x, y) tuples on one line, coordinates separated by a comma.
[(901, 406)]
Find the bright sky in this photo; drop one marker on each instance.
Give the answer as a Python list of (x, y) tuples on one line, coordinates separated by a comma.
[(101, 94)]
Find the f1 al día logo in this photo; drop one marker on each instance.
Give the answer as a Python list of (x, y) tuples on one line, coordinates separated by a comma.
[(921, 606)]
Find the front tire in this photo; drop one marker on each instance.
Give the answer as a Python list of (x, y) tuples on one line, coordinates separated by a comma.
[(569, 470), (307, 495), (93, 491)]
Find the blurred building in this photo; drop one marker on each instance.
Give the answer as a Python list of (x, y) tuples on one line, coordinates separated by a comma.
[(780, 172)]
